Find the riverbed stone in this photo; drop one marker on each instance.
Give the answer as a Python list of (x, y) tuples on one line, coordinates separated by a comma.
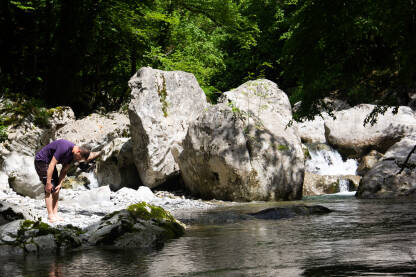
[(229, 158), (368, 162), (139, 226), (10, 213), (351, 138), (242, 148), (386, 180), (22, 176), (37, 236), (315, 184), (290, 211), (162, 106), (312, 131)]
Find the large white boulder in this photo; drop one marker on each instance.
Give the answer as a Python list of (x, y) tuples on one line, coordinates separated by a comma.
[(162, 106), (348, 134), (313, 131), (242, 150), (22, 176)]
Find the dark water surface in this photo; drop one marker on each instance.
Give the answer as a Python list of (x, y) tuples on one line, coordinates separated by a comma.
[(360, 238)]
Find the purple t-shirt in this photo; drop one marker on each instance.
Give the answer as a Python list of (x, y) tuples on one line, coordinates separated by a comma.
[(60, 149)]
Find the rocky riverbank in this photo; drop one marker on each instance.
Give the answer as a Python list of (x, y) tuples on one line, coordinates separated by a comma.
[(84, 207), (241, 149)]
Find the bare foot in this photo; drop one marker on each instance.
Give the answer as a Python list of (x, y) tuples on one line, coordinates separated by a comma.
[(52, 219), (59, 218)]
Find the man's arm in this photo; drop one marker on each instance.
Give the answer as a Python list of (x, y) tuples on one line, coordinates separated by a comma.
[(62, 175), (51, 168), (93, 155)]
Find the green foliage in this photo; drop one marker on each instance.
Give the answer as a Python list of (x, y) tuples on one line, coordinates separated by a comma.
[(3, 131), (82, 53), (15, 111)]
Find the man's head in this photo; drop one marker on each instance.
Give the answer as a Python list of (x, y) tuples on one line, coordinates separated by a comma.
[(80, 153)]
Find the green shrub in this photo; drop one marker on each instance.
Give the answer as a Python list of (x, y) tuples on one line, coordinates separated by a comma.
[(3, 133)]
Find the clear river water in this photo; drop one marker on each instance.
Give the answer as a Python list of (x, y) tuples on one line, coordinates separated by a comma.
[(359, 238)]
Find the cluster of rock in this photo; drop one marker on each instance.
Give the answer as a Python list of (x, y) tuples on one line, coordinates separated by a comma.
[(140, 226), (381, 146), (239, 149)]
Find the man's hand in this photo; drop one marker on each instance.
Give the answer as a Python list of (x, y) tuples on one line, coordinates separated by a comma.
[(58, 188), (48, 187), (93, 156)]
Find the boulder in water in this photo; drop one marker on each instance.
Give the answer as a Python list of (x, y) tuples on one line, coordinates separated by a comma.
[(390, 177), (38, 237), (291, 211), (139, 226), (241, 149)]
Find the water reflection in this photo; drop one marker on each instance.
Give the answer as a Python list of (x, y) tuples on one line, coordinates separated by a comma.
[(359, 238)]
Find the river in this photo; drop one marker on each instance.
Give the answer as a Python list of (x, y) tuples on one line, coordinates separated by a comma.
[(359, 238)]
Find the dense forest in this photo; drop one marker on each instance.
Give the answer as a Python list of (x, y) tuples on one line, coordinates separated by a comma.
[(81, 53)]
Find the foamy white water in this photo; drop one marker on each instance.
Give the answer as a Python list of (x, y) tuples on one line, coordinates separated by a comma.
[(329, 162), (93, 179)]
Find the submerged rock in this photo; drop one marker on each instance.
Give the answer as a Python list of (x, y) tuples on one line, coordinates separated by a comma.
[(162, 106), (290, 211), (139, 226)]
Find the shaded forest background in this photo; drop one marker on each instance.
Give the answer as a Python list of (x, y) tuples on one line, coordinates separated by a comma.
[(81, 53)]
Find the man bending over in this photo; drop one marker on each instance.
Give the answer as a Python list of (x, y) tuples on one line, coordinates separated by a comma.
[(58, 152)]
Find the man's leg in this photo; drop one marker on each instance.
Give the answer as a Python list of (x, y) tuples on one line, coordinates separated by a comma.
[(49, 207), (55, 198), (41, 168)]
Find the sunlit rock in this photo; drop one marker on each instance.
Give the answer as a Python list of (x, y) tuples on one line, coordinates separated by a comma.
[(348, 134), (139, 226), (95, 131), (390, 177), (242, 150), (162, 106)]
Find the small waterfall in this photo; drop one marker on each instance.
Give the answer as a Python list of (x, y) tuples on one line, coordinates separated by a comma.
[(93, 179), (343, 185), (325, 160)]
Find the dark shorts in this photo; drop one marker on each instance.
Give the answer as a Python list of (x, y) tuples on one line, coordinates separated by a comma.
[(42, 170)]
